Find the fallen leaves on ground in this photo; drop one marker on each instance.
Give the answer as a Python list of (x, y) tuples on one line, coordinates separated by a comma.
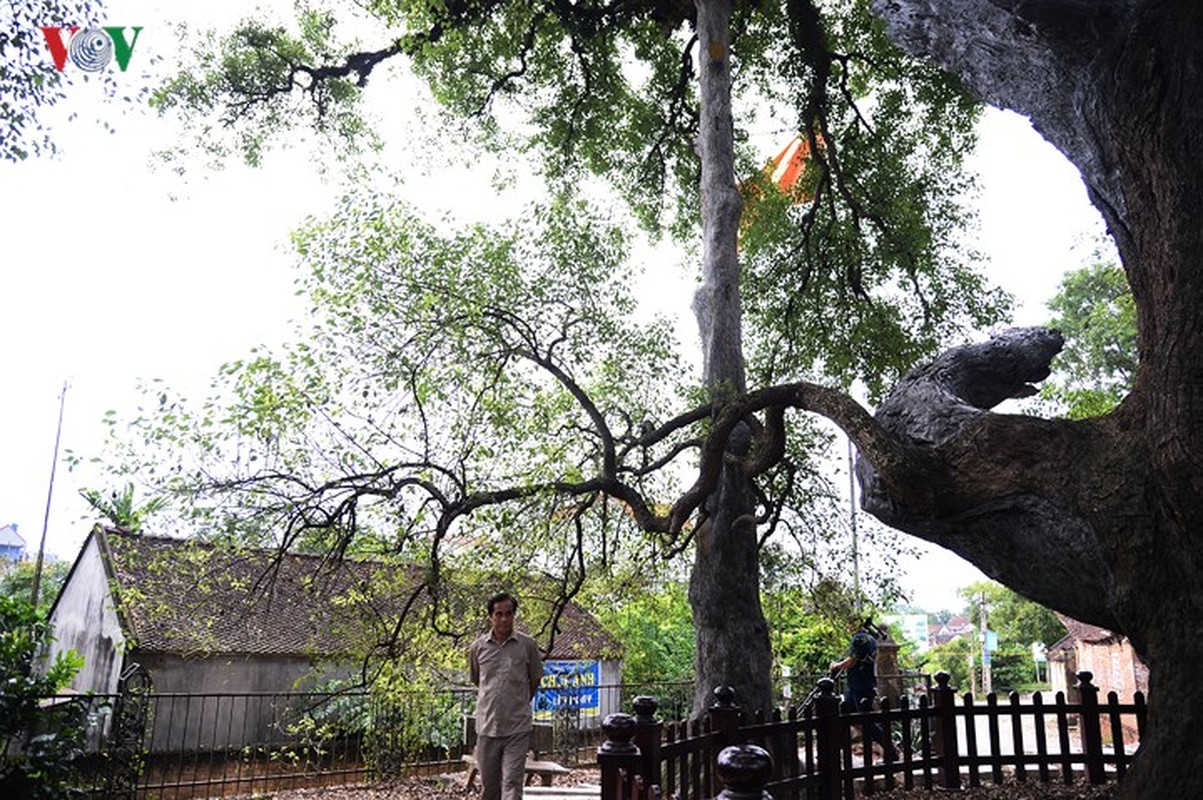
[(1008, 790), (448, 786), (451, 787)]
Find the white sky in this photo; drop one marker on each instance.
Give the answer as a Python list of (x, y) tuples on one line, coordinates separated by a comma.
[(105, 280)]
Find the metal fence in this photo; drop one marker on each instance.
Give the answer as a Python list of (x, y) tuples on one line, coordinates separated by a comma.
[(145, 744), (216, 745)]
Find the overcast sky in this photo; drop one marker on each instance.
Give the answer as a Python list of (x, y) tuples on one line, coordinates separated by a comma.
[(105, 279)]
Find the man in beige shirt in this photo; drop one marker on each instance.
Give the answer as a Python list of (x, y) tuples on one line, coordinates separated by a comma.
[(507, 667)]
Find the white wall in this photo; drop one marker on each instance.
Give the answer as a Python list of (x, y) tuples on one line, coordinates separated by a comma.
[(84, 620)]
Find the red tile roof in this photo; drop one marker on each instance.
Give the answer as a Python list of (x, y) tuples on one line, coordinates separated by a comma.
[(954, 628)]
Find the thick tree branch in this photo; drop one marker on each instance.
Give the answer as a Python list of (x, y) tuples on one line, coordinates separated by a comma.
[(1011, 498), (360, 65)]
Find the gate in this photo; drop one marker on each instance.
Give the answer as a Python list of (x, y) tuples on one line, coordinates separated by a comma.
[(125, 753)]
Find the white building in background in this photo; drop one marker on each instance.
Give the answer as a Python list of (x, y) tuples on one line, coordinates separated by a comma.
[(12, 545), (914, 629)]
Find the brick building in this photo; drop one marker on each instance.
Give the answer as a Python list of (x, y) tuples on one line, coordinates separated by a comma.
[(1109, 656)]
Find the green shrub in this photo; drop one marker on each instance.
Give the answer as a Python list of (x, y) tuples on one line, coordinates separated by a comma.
[(41, 745)]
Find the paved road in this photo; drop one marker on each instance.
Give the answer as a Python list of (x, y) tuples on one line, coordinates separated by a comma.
[(1006, 744)]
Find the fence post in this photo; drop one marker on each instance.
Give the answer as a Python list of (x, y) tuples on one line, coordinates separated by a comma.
[(744, 770), (616, 754), (1092, 735), (725, 716), (827, 735), (647, 738), (946, 732)]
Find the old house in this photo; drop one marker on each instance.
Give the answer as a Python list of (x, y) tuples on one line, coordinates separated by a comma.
[(1110, 658), (954, 628), (208, 619)]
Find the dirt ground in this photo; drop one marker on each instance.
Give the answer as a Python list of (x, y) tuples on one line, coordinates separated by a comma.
[(435, 787), (451, 787), (1009, 791)]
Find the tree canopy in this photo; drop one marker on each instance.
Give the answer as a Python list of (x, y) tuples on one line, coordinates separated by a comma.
[(119, 508), (873, 227), (17, 582), (1018, 621), (1094, 310), (509, 406)]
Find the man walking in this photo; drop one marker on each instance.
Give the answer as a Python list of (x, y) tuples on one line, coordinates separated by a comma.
[(507, 667)]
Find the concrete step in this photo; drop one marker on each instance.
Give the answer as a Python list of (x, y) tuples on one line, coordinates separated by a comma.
[(561, 792)]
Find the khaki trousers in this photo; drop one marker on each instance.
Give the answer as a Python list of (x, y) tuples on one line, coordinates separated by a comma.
[(502, 764)]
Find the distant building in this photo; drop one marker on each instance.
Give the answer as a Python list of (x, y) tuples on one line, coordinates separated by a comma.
[(955, 628), (12, 546), (914, 628)]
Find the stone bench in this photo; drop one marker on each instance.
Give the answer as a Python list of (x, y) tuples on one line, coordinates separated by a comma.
[(543, 770)]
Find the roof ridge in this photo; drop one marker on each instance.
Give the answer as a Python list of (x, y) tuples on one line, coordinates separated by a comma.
[(194, 541)]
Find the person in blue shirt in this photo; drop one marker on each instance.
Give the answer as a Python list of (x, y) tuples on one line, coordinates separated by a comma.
[(860, 666)]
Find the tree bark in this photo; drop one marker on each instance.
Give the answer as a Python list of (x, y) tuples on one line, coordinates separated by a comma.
[(732, 645), (1100, 519)]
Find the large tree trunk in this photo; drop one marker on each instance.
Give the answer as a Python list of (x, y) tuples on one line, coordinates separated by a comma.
[(724, 590), (1100, 519)]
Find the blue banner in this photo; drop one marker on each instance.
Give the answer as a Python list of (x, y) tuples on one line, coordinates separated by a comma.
[(569, 686)]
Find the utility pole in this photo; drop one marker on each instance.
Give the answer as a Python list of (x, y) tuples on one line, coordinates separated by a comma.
[(37, 570), (986, 684)]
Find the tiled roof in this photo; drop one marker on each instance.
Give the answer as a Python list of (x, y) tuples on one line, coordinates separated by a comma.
[(954, 628), (1081, 632), (187, 597)]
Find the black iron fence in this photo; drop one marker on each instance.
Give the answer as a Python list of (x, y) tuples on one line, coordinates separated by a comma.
[(146, 744)]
